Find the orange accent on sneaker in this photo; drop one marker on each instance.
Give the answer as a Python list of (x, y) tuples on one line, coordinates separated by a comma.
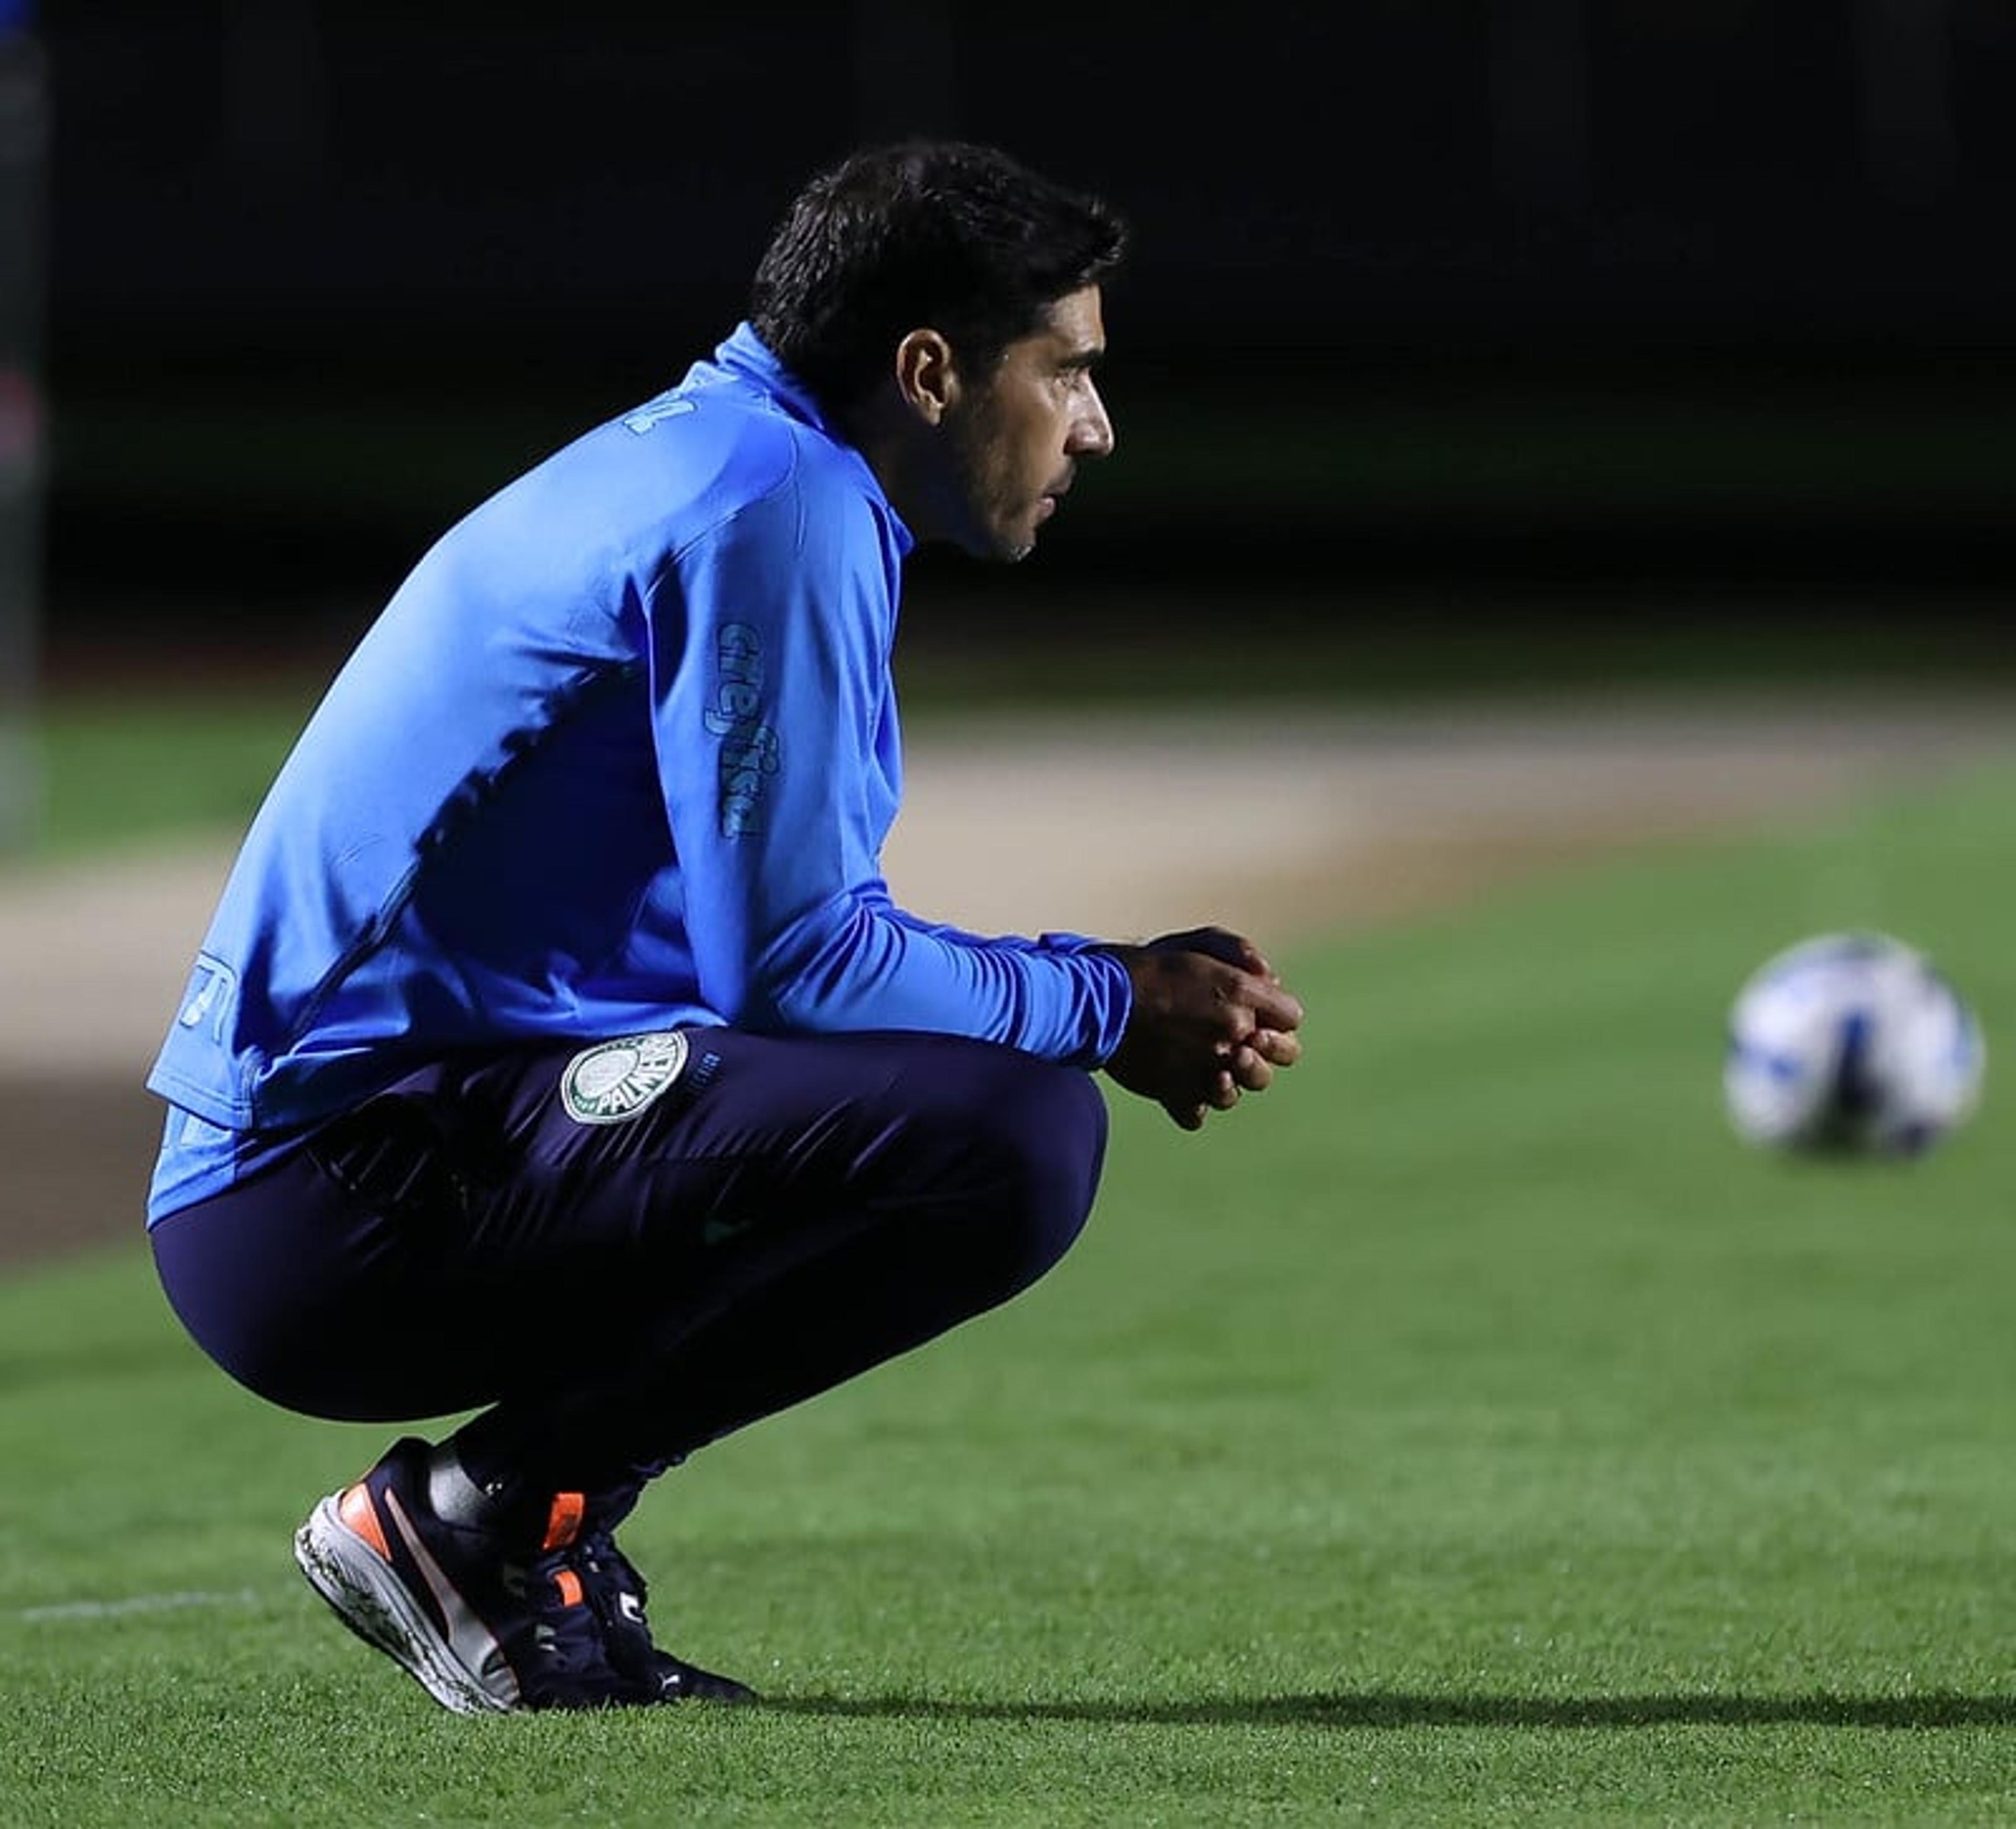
[(361, 1516), (563, 1522), (569, 1584)]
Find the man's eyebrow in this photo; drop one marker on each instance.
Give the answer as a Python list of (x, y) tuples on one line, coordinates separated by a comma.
[(1087, 357)]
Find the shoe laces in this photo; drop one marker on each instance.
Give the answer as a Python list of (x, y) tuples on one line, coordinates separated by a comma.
[(617, 1594)]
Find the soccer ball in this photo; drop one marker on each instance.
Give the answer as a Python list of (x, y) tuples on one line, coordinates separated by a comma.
[(1852, 1043)]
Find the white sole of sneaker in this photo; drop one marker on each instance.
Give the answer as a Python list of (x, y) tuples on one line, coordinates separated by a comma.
[(370, 1599)]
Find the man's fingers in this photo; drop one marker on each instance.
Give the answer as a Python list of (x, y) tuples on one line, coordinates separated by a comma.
[(1279, 1047), (1221, 944), (1255, 961), (1275, 1008), (1252, 1070), (1239, 951)]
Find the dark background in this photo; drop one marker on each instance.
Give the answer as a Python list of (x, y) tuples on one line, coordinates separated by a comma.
[(1614, 308)]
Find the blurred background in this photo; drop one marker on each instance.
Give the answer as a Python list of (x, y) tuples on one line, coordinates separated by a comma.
[(1598, 321)]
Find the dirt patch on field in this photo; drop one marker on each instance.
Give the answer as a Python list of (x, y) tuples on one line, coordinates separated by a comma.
[(1282, 824)]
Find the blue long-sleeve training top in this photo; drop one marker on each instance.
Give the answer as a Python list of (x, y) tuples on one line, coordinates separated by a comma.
[(619, 754)]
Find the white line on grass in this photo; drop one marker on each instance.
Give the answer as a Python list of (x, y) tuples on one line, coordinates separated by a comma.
[(138, 1604)]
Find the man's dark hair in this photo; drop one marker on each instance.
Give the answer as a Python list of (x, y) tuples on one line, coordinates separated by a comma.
[(956, 237)]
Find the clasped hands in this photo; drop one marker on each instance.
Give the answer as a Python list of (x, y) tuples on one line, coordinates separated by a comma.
[(1212, 1021)]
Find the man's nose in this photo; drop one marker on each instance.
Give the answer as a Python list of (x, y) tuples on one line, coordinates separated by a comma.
[(1092, 434)]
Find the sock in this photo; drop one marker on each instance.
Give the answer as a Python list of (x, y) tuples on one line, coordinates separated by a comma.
[(487, 1476), (458, 1498)]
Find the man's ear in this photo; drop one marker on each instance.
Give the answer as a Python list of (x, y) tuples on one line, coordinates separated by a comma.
[(926, 375)]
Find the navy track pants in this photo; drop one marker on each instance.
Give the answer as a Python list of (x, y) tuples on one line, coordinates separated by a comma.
[(619, 1269)]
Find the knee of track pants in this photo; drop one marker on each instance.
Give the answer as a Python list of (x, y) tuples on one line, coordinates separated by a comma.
[(1037, 1148)]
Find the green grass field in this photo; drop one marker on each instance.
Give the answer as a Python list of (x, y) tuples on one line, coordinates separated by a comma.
[(1471, 1431)]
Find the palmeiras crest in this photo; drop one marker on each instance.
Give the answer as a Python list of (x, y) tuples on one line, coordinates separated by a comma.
[(613, 1081)]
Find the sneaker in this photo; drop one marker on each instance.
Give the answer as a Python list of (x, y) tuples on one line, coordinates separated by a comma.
[(483, 1626), (617, 1593)]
